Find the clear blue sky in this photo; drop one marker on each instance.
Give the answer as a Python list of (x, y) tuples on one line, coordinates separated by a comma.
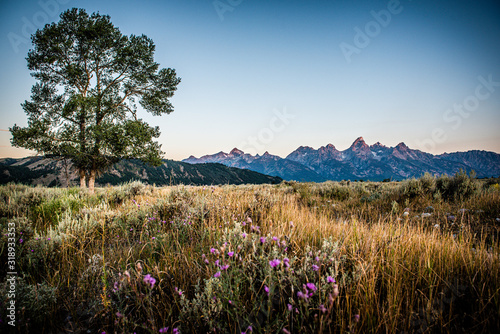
[(242, 63)]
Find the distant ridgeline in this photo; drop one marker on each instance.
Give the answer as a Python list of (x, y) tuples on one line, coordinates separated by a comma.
[(359, 162), (53, 172)]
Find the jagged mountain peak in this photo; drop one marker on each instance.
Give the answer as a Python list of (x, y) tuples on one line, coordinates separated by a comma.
[(304, 148), (377, 145), (236, 151), (402, 146), (359, 145), (328, 148), (359, 139)]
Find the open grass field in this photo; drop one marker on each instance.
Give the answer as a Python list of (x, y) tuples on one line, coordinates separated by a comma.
[(418, 256)]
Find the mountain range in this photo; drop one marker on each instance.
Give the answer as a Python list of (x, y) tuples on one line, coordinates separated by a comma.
[(359, 162), (52, 172)]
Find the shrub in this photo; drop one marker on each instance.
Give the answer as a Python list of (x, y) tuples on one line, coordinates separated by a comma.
[(411, 188), (334, 191), (459, 187), (427, 183)]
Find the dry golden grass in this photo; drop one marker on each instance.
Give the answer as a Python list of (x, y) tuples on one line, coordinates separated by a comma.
[(396, 274)]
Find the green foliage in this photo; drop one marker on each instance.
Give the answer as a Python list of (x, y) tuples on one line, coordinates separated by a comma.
[(89, 79), (127, 191), (412, 188), (459, 187), (48, 213)]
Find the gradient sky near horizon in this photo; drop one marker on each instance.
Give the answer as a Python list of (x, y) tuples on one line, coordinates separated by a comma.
[(246, 63)]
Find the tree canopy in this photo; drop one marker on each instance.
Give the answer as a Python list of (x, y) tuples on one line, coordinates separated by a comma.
[(83, 107)]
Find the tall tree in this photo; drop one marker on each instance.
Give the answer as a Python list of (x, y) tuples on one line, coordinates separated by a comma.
[(83, 107)]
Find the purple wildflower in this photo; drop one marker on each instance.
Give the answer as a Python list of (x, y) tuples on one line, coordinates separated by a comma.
[(225, 267), (217, 274), (315, 267), (175, 331), (330, 279), (322, 308), (262, 239), (230, 254), (290, 307), (286, 262), (20, 241), (274, 263), (148, 279), (301, 295), (164, 330), (266, 289), (276, 239), (213, 250), (243, 235), (311, 286)]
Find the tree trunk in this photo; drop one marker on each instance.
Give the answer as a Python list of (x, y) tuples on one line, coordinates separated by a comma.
[(92, 181), (66, 172), (83, 184)]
